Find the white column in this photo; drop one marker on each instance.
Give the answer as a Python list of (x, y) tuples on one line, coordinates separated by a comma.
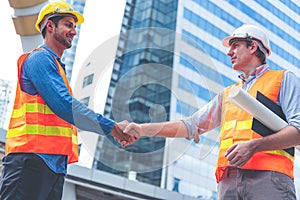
[(69, 191)]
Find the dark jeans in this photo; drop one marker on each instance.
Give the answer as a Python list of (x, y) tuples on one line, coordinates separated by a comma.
[(241, 184), (25, 176)]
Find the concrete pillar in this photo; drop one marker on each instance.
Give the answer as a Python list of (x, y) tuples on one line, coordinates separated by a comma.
[(69, 191), (24, 18)]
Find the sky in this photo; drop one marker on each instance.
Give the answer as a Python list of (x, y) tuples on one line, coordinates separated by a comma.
[(103, 20)]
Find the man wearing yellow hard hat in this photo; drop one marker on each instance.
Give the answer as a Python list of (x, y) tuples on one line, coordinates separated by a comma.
[(58, 8), (42, 138)]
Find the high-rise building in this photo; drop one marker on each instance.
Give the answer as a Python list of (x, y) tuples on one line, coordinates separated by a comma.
[(169, 63), (5, 97), (134, 56), (68, 57)]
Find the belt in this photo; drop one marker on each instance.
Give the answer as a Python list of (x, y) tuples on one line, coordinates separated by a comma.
[(231, 171)]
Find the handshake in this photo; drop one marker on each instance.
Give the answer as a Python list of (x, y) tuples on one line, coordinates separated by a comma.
[(126, 133)]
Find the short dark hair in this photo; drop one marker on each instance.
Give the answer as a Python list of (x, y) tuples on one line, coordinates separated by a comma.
[(55, 20)]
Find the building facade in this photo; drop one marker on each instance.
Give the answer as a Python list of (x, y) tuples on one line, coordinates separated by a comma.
[(68, 57), (5, 97), (169, 63), (150, 87)]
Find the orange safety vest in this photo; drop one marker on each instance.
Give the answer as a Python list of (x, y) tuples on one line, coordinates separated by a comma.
[(35, 128), (236, 127)]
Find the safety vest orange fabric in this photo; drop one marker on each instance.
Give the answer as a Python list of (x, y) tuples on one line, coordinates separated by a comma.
[(236, 127), (35, 128)]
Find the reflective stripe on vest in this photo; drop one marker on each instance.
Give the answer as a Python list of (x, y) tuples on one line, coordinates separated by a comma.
[(35, 128), (236, 127)]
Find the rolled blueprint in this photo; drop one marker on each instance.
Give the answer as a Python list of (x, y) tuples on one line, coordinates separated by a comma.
[(246, 102)]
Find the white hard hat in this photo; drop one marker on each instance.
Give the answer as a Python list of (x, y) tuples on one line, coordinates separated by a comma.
[(252, 32)]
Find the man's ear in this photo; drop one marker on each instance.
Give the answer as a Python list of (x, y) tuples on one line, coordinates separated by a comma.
[(254, 46), (50, 25)]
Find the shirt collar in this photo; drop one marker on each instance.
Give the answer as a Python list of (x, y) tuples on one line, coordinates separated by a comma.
[(258, 72), (53, 54), (50, 51)]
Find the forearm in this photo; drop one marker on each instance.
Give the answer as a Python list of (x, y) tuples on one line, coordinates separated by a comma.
[(174, 129), (238, 154), (285, 138)]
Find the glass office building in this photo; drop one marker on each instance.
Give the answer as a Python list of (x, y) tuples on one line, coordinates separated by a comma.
[(68, 57), (146, 45), (169, 63)]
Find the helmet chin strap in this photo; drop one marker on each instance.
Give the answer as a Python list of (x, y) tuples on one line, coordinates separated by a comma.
[(261, 47)]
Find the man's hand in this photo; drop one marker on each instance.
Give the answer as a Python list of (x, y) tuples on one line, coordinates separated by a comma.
[(119, 136), (134, 130), (199, 132), (239, 154)]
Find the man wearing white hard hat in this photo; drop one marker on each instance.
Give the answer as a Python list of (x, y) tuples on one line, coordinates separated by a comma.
[(249, 165), (42, 138)]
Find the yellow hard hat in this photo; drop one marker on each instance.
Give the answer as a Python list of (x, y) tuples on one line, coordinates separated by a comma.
[(56, 8)]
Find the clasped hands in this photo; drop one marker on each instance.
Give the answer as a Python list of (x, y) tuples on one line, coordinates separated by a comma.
[(126, 133)]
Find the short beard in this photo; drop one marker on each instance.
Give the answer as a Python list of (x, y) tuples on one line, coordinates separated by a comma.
[(62, 40)]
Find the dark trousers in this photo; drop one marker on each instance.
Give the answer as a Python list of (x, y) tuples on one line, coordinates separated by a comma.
[(240, 184), (25, 176)]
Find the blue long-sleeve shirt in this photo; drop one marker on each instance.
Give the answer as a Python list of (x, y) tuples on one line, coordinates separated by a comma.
[(40, 76)]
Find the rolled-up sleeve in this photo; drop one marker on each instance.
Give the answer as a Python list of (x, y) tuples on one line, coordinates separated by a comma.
[(206, 118), (289, 98)]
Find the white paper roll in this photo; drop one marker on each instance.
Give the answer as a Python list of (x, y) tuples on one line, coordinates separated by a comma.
[(246, 102)]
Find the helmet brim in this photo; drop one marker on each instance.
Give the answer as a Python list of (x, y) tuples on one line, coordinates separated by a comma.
[(79, 16), (226, 43), (79, 19)]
